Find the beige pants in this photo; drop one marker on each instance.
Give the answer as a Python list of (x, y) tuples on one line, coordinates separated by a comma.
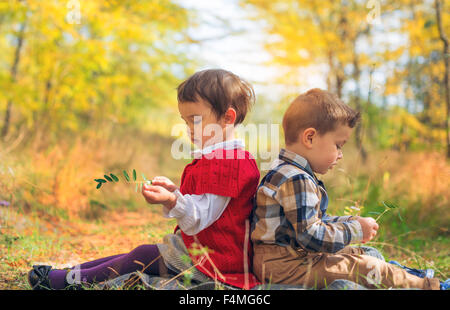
[(283, 265)]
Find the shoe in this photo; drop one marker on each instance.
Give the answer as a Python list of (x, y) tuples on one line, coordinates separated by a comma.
[(38, 277), (445, 285), (422, 273)]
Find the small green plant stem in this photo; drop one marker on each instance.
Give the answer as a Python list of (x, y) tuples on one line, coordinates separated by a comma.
[(379, 216)]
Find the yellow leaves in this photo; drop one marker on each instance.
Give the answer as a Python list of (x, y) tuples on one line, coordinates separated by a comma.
[(386, 177), (437, 69), (438, 135), (90, 71), (309, 33), (407, 129), (392, 53), (402, 118), (405, 46)]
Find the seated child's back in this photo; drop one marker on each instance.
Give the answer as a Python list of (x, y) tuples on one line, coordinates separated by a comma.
[(295, 240)]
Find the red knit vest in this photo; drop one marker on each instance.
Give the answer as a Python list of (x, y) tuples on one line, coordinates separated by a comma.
[(232, 173)]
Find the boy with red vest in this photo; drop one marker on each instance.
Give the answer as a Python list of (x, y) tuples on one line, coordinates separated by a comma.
[(214, 201), (212, 205)]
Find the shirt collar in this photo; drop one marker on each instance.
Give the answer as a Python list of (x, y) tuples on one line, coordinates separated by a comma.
[(299, 161), (226, 145)]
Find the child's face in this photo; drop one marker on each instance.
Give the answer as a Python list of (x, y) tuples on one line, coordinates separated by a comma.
[(203, 126), (327, 149)]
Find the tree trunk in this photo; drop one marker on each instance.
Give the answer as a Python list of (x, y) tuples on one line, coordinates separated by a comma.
[(446, 56), (330, 65), (42, 122), (20, 38), (340, 79), (372, 86)]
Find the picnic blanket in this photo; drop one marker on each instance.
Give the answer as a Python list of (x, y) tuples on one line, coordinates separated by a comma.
[(138, 280)]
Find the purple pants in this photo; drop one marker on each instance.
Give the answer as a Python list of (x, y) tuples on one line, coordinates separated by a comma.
[(145, 258)]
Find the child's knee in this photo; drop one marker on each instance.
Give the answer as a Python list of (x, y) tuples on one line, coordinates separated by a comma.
[(352, 266), (145, 251), (371, 251)]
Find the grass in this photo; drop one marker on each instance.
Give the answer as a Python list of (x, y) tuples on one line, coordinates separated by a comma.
[(56, 216)]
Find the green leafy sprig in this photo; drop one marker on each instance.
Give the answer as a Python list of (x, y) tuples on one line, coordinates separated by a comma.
[(112, 178), (388, 206)]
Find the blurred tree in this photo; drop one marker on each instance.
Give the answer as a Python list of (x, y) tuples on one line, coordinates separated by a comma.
[(13, 73), (86, 64), (355, 38), (416, 79), (308, 33), (446, 57)]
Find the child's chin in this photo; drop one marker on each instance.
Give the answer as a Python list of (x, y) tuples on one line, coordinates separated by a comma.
[(325, 171)]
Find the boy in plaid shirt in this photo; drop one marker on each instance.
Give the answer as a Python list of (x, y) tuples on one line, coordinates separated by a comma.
[(295, 241)]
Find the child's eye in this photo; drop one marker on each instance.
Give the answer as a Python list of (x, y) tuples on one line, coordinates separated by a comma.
[(197, 119), (338, 147)]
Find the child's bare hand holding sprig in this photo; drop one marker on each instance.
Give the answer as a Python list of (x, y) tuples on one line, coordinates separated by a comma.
[(164, 182), (369, 227), (368, 224), (155, 194)]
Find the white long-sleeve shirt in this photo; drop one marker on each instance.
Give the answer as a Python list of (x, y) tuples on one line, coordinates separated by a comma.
[(197, 212)]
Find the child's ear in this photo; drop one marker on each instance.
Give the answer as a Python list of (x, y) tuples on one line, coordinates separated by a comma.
[(307, 137), (230, 116)]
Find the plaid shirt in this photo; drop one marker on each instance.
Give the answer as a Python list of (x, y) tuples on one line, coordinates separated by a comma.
[(290, 209)]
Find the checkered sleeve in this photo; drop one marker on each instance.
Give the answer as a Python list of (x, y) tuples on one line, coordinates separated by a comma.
[(301, 206), (335, 219)]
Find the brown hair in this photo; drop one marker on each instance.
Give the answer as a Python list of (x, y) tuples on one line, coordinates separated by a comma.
[(221, 89), (318, 109)]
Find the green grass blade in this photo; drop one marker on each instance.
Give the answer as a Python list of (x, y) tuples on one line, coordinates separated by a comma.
[(126, 176), (399, 216), (143, 176), (373, 212), (389, 205), (134, 175)]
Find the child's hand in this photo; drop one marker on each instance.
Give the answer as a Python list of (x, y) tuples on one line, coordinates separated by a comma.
[(369, 227), (158, 194), (164, 182)]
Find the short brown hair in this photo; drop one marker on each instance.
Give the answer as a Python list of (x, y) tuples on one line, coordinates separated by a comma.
[(318, 109), (221, 89)]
